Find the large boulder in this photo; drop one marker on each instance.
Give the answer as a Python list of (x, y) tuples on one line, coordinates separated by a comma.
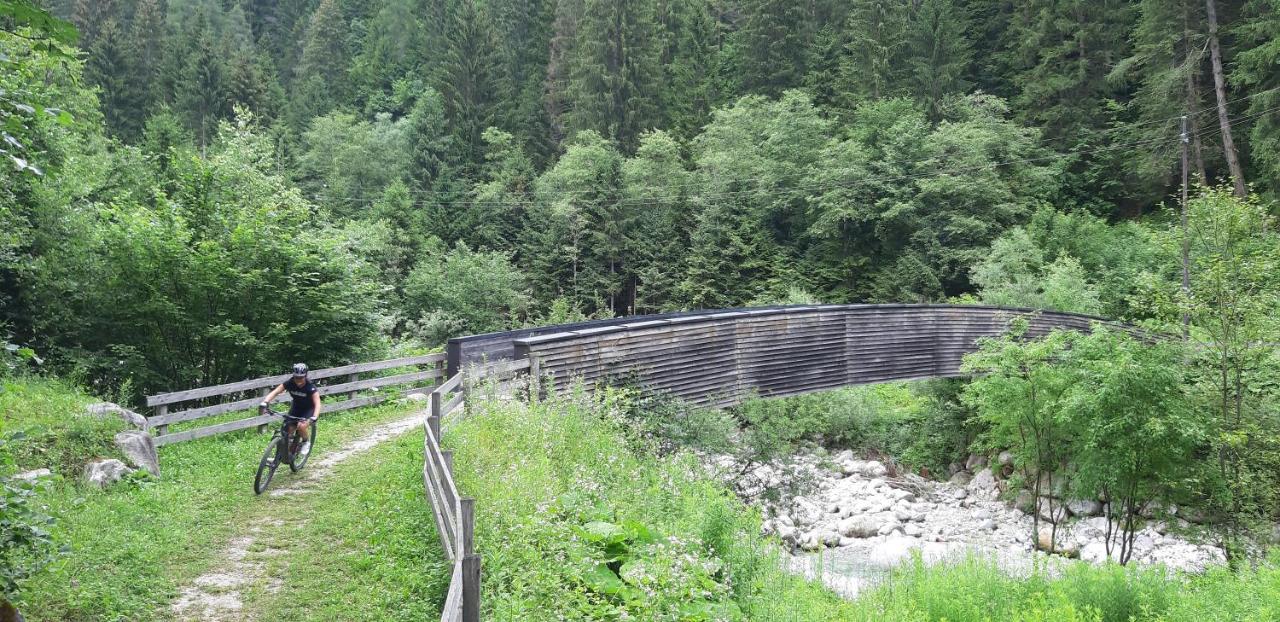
[(860, 527), (984, 483), (975, 462), (1025, 502), (1060, 543), (1084, 507), (139, 448), (106, 409), (961, 478), (103, 473), (1052, 511)]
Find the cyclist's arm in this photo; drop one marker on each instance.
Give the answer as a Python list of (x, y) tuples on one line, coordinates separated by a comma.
[(315, 405), (272, 395)]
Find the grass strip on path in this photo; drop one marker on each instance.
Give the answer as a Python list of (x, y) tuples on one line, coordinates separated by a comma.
[(362, 546)]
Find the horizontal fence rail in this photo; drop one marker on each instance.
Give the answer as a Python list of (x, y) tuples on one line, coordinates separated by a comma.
[(355, 392)]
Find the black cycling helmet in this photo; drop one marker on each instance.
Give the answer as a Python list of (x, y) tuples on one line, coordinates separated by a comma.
[(299, 370)]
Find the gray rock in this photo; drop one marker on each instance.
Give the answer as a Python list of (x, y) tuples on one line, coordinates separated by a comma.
[(1025, 502), (105, 409), (787, 534), (961, 478), (903, 516), (830, 538), (34, 475), (859, 527), (1005, 458), (975, 462), (844, 456), (913, 530), (417, 397), (811, 542), (874, 468), (1195, 515), (889, 528), (953, 468), (1061, 545), (1055, 514), (960, 494), (981, 515), (1084, 507), (893, 551), (1094, 552), (139, 448), (987, 525), (984, 481), (103, 473), (1052, 485)]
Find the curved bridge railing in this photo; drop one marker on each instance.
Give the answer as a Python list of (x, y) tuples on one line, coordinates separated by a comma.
[(719, 358)]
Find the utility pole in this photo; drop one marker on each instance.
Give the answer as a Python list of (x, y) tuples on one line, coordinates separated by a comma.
[(1186, 240)]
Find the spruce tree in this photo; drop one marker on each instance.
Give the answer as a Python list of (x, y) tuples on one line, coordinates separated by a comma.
[(108, 67), (938, 54), (1255, 69), (322, 69), (470, 81), (767, 54), (874, 67), (614, 73)]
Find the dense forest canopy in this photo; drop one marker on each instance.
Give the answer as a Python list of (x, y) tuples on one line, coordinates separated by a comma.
[(226, 184)]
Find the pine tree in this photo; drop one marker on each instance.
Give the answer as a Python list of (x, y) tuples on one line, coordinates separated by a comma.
[(322, 69), (689, 56), (874, 67), (614, 73), (768, 53), (109, 67), (430, 141), (202, 92), (470, 79), (938, 54), (524, 38), (392, 50), (1255, 69), (146, 47)]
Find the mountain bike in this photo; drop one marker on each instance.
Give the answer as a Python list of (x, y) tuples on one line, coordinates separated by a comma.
[(283, 449)]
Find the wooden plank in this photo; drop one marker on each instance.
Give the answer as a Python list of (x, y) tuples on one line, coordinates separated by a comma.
[(452, 404), (229, 426), (449, 385), (257, 383), (471, 588)]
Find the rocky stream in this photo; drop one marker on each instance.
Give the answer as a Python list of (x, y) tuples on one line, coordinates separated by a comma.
[(858, 519)]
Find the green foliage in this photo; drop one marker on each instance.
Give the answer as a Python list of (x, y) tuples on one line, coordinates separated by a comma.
[(26, 546), (462, 292), (45, 425), (222, 279)]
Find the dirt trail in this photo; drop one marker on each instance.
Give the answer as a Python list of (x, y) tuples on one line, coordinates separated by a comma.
[(218, 595)]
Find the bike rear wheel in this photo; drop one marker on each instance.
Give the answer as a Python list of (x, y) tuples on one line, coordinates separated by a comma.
[(266, 467), (300, 459)]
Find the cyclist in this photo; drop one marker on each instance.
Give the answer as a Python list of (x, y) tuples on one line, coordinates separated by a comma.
[(306, 402)]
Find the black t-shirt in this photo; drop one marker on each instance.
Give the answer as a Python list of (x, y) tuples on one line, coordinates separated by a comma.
[(302, 406)]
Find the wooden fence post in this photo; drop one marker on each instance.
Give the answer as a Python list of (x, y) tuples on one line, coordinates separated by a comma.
[(433, 422), (263, 427), (471, 588), (436, 405), (161, 411), (470, 562), (351, 395), (448, 460)]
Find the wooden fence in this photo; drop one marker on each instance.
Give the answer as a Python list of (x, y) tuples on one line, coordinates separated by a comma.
[(455, 514), (193, 404)]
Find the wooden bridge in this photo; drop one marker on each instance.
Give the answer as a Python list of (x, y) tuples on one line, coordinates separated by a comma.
[(719, 358)]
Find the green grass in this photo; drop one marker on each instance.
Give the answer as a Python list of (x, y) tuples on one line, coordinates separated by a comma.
[(47, 417), (368, 548), (131, 546)]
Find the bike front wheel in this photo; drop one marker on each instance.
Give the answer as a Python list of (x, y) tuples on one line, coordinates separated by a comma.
[(300, 459), (266, 468)]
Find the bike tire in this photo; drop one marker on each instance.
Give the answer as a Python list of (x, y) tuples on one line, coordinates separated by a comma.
[(300, 461), (267, 466)]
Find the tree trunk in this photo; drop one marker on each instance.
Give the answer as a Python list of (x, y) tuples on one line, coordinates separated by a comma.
[(1193, 98), (1220, 91)]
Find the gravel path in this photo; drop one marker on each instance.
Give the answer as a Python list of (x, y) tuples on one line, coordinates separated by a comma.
[(218, 595)]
